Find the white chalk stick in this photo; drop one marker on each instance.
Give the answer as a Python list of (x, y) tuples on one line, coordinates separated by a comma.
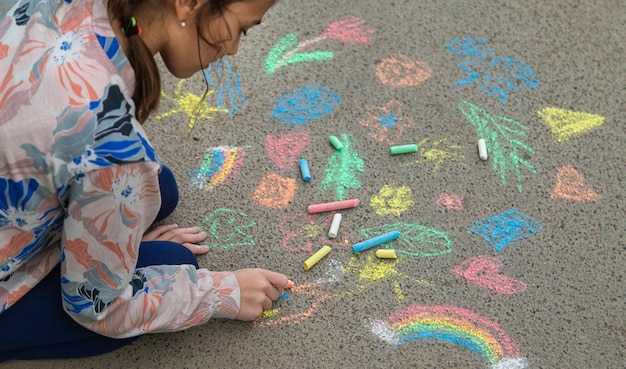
[(334, 226), (482, 149)]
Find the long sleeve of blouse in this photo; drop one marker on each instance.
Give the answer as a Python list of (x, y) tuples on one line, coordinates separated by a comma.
[(79, 179)]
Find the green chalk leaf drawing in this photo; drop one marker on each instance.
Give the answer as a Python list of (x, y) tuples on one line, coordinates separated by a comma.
[(415, 239), (504, 141), (289, 51), (228, 229), (341, 169), (309, 57)]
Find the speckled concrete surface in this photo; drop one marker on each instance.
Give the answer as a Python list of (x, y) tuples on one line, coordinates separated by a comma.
[(568, 274)]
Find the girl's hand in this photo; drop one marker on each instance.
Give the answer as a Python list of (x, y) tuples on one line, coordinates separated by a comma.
[(258, 288), (188, 237)]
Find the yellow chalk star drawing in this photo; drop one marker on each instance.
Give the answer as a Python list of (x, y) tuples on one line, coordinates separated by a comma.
[(372, 271), (439, 151), (190, 104), (392, 200), (566, 124)]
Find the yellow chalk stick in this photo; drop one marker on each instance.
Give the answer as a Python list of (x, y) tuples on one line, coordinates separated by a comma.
[(308, 263), (386, 254)]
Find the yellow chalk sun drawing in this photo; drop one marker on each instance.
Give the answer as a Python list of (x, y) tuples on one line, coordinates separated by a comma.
[(373, 270), (392, 200), (194, 106)]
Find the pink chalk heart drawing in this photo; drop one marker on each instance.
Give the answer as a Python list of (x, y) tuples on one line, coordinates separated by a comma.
[(484, 271), (284, 150)]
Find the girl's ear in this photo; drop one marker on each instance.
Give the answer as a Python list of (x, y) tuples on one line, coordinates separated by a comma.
[(185, 8)]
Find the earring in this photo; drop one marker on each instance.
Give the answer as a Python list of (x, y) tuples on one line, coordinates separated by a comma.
[(183, 24)]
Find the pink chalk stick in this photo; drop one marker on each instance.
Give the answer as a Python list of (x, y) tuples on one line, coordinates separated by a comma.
[(331, 206)]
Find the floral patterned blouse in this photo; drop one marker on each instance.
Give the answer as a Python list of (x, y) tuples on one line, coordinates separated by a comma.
[(79, 179)]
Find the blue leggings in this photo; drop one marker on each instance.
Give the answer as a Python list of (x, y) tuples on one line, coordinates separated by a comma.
[(37, 327)]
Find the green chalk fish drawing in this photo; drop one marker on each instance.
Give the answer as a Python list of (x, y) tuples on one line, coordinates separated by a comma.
[(341, 169), (228, 229), (504, 141), (415, 239)]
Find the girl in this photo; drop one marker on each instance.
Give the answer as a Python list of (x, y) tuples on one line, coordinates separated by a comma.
[(80, 183)]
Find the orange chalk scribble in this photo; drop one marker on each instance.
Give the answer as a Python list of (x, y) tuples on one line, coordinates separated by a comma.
[(566, 124), (273, 317), (571, 185), (401, 71), (386, 123), (275, 191)]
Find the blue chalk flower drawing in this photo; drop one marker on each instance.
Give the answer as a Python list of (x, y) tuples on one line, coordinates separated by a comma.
[(502, 229), (496, 76), (306, 104)]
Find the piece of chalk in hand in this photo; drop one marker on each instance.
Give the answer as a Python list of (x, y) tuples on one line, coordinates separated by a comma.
[(361, 246), (289, 285), (403, 149), (482, 149), (304, 169), (334, 226), (308, 263), (386, 254)]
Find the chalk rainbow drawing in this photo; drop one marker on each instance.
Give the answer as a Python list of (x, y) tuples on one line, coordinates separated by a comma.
[(496, 76), (341, 169), (507, 151), (386, 123), (446, 149), (289, 51), (415, 239), (448, 201), (392, 200), (502, 229), (454, 325), (484, 271), (309, 232), (227, 82), (571, 185), (284, 150), (401, 71), (304, 105), (228, 229), (566, 124), (373, 271), (218, 165), (194, 106), (310, 291), (275, 191)]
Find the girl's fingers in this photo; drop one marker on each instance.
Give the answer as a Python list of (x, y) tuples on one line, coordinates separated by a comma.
[(159, 231), (197, 249)]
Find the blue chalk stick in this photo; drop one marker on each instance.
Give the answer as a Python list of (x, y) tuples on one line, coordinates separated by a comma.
[(304, 168), (358, 247)]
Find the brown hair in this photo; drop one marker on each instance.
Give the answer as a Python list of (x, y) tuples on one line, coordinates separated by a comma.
[(147, 78)]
